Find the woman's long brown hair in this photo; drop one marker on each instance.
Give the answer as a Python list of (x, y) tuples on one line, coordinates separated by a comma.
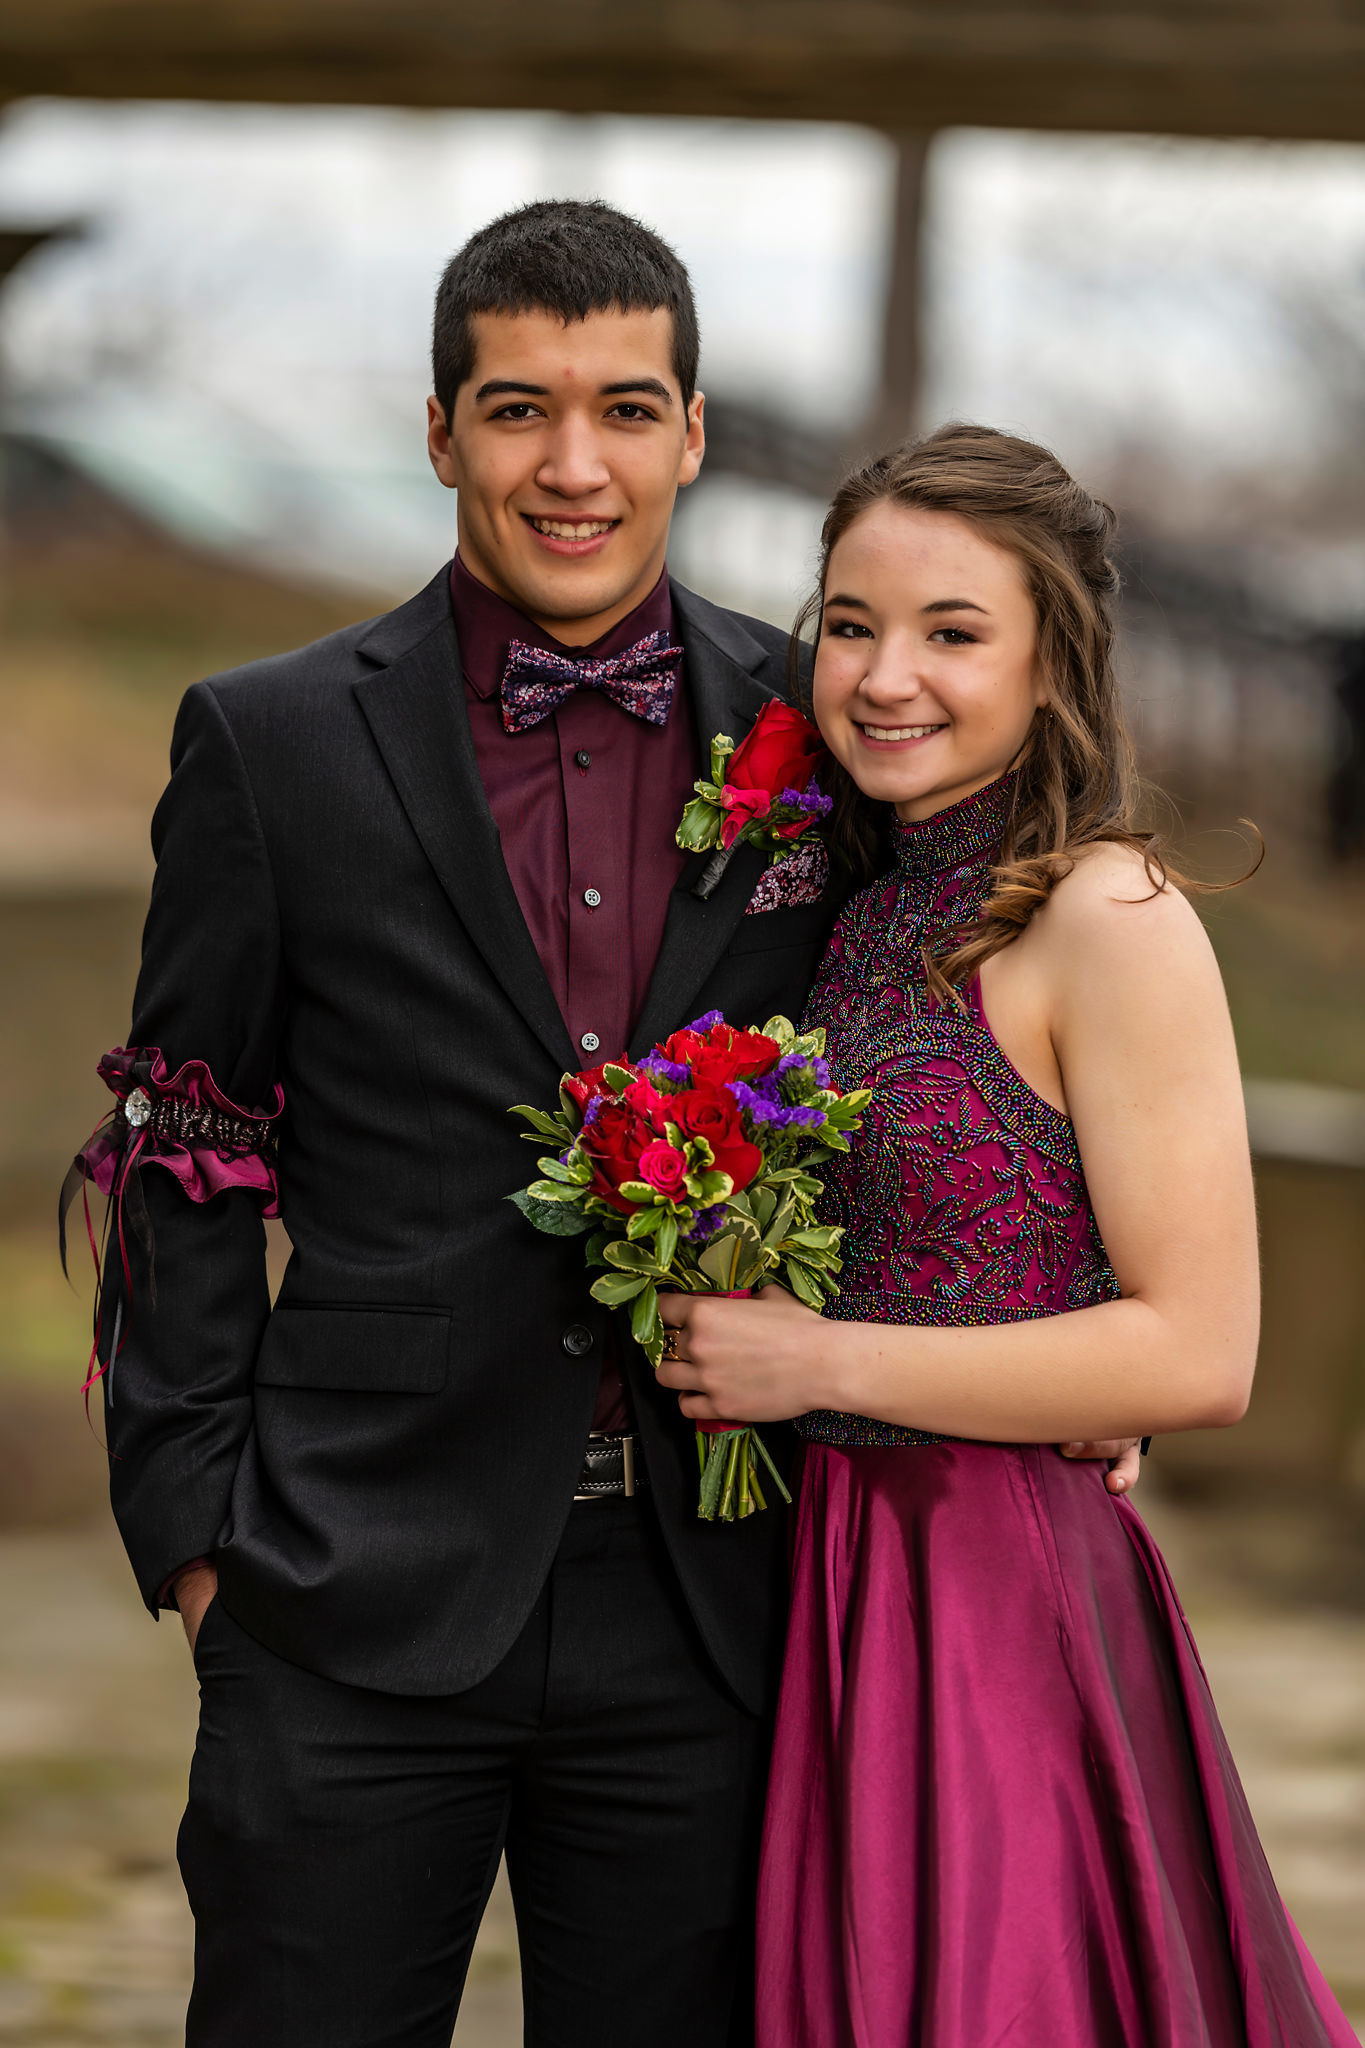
[(1075, 781)]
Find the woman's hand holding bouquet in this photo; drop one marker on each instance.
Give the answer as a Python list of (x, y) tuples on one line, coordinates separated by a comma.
[(691, 1171)]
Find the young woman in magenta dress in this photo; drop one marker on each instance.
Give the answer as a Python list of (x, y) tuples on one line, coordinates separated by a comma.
[(1002, 1812)]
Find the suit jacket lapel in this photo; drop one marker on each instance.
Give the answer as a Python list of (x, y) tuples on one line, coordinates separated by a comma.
[(415, 707), (726, 697)]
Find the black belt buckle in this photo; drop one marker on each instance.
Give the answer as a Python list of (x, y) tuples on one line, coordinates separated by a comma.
[(612, 1468)]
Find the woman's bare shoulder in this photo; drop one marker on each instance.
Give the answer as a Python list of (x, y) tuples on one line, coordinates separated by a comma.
[(1112, 898)]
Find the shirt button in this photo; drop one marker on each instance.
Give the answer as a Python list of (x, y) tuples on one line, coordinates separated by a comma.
[(583, 758), (590, 1041), (592, 897), (577, 1340)]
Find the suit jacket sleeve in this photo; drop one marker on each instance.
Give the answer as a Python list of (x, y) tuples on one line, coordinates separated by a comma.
[(178, 1400)]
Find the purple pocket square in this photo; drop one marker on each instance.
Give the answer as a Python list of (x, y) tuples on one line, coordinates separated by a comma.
[(800, 878)]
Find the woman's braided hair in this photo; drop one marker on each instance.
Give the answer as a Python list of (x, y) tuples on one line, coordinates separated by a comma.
[(1076, 780)]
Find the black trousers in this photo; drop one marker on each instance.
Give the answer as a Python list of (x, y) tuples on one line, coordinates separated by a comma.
[(339, 1845)]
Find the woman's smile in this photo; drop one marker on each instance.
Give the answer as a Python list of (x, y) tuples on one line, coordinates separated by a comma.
[(898, 735)]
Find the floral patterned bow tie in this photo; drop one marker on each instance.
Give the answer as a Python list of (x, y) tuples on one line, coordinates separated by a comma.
[(536, 681)]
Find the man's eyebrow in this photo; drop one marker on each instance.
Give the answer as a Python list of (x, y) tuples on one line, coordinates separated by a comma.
[(649, 384), (498, 387), (955, 604)]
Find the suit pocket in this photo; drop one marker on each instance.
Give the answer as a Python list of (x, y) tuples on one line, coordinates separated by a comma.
[(355, 1350)]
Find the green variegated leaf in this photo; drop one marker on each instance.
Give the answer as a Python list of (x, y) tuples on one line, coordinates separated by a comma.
[(615, 1289), (667, 1241), (644, 1223), (781, 1029), (553, 1169), (552, 1217), (717, 1261), (644, 1318), (722, 746), (700, 825), (631, 1258), (618, 1079), (545, 1125), (803, 1284), (779, 1221), (552, 1191)]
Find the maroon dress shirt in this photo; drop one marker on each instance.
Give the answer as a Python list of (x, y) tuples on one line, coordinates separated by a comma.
[(587, 803)]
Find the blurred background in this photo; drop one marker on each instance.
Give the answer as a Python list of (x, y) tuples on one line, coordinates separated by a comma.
[(1137, 236)]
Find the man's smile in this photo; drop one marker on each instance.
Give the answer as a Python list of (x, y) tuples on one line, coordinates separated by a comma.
[(570, 536)]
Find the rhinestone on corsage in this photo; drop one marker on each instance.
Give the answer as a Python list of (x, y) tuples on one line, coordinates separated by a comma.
[(138, 1108)]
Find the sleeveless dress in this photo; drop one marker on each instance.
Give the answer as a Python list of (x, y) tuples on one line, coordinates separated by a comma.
[(1002, 1813)]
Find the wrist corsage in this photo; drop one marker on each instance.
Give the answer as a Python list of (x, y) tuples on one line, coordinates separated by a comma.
[(762, 791)]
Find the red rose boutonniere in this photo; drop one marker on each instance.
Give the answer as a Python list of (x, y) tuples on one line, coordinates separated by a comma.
[(762, 790)]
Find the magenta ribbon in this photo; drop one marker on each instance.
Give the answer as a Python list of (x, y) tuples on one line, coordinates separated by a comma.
[(182, 1122)]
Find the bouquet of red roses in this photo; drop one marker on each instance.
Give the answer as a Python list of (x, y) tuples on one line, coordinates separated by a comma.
[(691, 1170)]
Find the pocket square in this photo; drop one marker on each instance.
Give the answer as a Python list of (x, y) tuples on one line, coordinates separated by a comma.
[(800, 878)]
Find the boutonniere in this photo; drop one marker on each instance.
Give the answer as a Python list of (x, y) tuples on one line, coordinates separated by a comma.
[(762, 791)]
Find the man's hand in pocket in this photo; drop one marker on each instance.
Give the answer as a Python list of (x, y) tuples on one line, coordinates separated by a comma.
[(192, 1590)]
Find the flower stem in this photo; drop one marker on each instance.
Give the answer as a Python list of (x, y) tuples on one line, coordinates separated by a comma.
[(709, 879)]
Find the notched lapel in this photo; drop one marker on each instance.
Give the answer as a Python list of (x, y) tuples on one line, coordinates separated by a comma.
[(726, 697), (415, 709)]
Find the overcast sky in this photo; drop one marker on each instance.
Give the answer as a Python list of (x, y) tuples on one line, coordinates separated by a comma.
[(246, 321)]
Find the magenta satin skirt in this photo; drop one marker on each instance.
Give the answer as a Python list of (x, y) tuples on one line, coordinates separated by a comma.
[(1002, 1812)]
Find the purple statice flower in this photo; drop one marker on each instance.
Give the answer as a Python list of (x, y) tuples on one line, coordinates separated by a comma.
[(707, 1224), (764, 1107), (665, 1070), (808, 800), (708, 1022), (807, 1062)]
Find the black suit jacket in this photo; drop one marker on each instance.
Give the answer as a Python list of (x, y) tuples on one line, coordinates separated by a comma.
[(383, 1465)]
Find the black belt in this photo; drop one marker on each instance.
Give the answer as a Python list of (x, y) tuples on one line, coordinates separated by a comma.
[(612, 1466)]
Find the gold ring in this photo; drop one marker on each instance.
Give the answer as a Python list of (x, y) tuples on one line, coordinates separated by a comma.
[(671, 1352)]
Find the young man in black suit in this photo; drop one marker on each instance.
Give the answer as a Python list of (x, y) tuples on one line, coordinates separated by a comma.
[(431, 1522)]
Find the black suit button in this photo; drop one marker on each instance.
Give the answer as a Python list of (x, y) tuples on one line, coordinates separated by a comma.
[(577, 1340)]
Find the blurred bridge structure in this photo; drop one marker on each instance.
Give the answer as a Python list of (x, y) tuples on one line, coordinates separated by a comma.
[(1292, 68)]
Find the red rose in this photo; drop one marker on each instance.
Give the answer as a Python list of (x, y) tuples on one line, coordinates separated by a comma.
[(795, 829), (664, 1167), (583, 1088), (780, 752), (721, 1054), (645, 1098), (612, 1143), (710, 1113)]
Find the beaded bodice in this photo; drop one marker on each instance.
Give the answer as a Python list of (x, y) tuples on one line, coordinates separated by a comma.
[(962, 1197)]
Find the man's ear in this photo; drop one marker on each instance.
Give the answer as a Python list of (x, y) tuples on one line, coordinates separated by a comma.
[(438, 443), (694, 447)]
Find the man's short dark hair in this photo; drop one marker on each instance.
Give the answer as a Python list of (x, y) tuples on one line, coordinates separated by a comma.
[(571, 257)]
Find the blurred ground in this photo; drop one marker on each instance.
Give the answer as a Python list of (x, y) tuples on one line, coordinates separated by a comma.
[(96, 1723), (97, 1709)]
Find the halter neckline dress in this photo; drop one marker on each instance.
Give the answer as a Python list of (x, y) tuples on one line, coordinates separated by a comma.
[(1002, 1812)]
